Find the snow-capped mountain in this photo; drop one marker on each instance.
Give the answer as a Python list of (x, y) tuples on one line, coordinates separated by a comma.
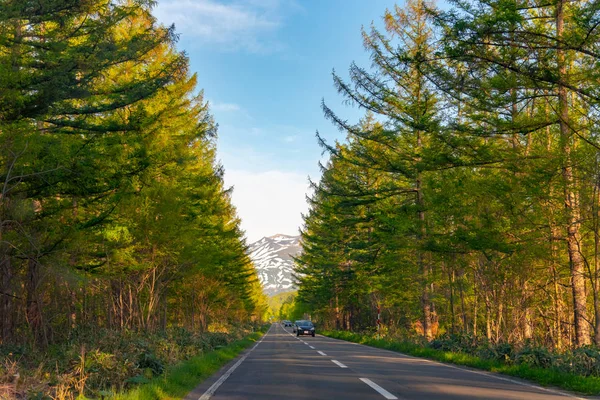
[(272, 257)]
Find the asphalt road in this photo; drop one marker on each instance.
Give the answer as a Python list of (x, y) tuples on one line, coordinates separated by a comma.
[(282, 366)]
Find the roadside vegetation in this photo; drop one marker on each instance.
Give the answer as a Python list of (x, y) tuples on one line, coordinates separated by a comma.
[(179, 380), (120, 251), (128, 364), (466, 202), (577, 370)]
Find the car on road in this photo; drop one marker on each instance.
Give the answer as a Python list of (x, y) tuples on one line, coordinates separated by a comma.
[(286, 323), (295, 325), (304, 327)]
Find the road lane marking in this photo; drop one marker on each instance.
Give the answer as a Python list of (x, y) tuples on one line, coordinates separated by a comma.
[(261, 339), (491, 375), (483, 373), (339, 364), (379, 389), (321, 353), (311, 347), (211, 390)]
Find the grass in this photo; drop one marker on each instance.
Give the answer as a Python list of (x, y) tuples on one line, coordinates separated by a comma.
[(180, 379), (589, 385)]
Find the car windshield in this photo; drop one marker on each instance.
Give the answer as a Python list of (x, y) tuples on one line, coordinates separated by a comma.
[(306, 323)]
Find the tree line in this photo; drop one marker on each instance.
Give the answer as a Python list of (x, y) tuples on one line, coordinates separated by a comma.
[(113, 211), (467, 200)]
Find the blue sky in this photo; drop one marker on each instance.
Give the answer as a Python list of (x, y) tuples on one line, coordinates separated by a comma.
[(265, 65)]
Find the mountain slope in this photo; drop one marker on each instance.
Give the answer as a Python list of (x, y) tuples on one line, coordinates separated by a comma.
[(272, 257)]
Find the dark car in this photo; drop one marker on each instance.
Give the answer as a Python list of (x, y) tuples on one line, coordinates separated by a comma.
[(305, 328), (287, 323)]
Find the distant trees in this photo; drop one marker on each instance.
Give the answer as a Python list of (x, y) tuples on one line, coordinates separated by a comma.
[(113, 211), (466, 200)]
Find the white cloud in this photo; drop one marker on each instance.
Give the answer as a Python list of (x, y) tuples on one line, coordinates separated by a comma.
[(231, 25), (241, 157), (268, 202), (224, 107)]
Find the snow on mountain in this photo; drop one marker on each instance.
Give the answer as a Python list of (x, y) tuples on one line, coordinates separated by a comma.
[(272, 257)]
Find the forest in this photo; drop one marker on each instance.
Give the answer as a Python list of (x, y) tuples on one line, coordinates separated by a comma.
[(115, 224), (461, 212), (466, 202)]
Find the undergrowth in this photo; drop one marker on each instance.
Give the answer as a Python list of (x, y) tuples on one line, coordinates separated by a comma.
[(100, 363)]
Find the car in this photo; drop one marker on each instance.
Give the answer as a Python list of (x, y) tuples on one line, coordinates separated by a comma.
[(304, 327), (286, 323), (295, 325)]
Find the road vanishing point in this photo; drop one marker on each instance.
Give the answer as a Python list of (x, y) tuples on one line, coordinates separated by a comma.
[(284, 366)]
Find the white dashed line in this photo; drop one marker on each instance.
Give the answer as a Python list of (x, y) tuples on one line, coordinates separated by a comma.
[(311, 347), (484, 373), (379, 389), (339, 364), (321, 353)]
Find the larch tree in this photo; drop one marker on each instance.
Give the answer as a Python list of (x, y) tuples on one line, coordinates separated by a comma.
[(399, 92)]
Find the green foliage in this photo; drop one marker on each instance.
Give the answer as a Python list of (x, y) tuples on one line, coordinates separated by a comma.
[(187, 375), (465, 201), (121, 253), (113, 210), (277, 302), (149, 361)]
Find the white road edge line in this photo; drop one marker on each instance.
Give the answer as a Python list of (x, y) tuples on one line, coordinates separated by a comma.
[(321, 353), (211, 390), (485, 373), (311, 347), (379, 389), (339, 364), (489, 374)]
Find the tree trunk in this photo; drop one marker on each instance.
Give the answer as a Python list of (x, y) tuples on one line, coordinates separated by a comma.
[(582, 328), (452, 316), (475, 304), (6, 300), (34, 315), (595, 277), (424, 269), (527, 317)]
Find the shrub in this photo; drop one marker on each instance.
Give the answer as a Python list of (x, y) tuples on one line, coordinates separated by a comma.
[(535, 357), (582, 361), (150, 362), (498, 352)]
